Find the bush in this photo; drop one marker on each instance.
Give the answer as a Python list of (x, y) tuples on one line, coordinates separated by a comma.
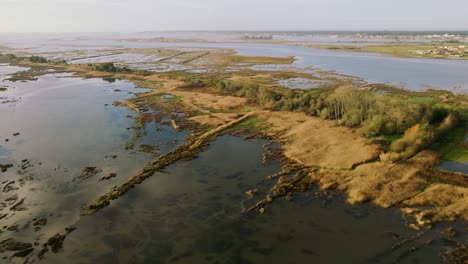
[(372, 113), (193, 83), (10, 56), (420, 136), (110, 67), (372, 127), (38, 59)]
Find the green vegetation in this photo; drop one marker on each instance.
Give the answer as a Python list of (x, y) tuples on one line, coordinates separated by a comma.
[(14, 58), (399, 50), (110, 67), (238, 59), (419, 137), (252, 123), (193, 83), (9, 57), (452, 145), (410, 121), (38, 59), (175, 99), (391, 138)]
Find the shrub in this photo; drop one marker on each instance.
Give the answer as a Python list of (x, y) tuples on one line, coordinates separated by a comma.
[(10, 56), (420, 136), (110, 67), (38, 59), (372, 127), (193, 83)]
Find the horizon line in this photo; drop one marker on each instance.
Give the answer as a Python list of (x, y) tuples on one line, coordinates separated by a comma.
[(248, 30)]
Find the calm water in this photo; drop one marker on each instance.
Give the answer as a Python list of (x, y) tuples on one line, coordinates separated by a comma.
[(191, 212), (454, 166), (64, 125), (414, 74)]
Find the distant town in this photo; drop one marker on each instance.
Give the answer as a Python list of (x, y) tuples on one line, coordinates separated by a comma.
[(456, 51)]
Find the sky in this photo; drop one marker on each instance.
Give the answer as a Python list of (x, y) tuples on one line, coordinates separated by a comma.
[(154, 15)]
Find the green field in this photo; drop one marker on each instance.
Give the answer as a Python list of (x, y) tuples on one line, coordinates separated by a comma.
[(403, 50)]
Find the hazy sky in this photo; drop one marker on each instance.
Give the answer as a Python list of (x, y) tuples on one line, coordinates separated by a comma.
[(140, 15)]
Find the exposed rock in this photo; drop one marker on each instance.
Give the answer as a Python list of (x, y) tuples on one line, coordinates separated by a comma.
[(8, 187), (54, 243), (88, 172), (451, 232), (13, 228), (11, 244), (18, 206), (12, 198), (40, 222), (23, 253), (5, 167), (252, 192), (457, 255), (108, 177), (186, 151)]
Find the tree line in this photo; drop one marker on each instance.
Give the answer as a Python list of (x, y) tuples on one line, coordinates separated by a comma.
[(371, 113)]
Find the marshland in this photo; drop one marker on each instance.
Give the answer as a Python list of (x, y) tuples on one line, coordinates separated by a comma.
[(218, 148)]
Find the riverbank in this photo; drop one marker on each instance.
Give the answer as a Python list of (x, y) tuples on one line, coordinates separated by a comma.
[(404, 50), (316, 149), (303, 136), (346, 161)]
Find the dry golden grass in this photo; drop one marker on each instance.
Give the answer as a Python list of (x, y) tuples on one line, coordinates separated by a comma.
[(214, 119), (388, 184), (438, 202), (207, 57), (211, 101), (229, 57), (384, 184), (201, 101), (330, 179), (314, 142)]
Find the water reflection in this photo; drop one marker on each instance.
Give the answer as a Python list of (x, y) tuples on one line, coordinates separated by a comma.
[(412, 73), (192, 213)]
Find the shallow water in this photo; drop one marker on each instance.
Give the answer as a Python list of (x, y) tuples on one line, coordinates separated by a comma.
[(189, 213), (192, 213), (410, 73), (454, 166), (127, 58), (301, 83), (6, 69), (64, 124)]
